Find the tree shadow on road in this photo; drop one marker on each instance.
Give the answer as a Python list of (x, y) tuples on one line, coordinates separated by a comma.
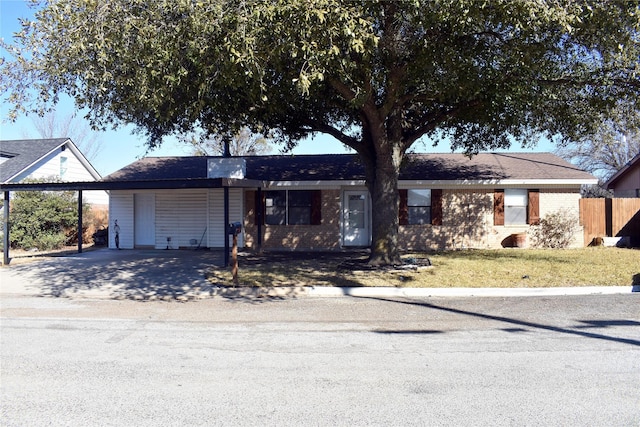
[(521, 325)]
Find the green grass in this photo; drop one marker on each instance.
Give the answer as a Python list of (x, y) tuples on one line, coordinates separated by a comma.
[(468, 268)]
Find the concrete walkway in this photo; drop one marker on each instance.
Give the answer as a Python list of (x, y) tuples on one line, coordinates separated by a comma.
[(180, 275)]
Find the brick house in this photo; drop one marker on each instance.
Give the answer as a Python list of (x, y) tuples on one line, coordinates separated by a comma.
[(320, 202)]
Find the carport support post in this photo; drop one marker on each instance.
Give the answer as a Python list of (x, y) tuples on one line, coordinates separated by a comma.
[(79, 221), (5, 239), (259, 216), (227, 154), (226, 226)]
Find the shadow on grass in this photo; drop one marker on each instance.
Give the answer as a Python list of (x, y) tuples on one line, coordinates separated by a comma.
[(521, 325), (292, 269), (508, 254)]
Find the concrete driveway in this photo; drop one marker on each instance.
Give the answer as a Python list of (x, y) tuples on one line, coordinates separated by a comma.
[(125, 274)]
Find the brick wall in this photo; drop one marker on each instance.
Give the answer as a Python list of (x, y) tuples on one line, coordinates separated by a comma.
[(466, 216), (467, 223), (553, 200), (325, 236)]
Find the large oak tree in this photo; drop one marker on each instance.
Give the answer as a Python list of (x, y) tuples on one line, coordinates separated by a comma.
[(375, 74)]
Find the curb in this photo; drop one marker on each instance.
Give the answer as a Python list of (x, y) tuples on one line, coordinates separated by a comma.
[(206, 292), (469, 292), (329, 292)]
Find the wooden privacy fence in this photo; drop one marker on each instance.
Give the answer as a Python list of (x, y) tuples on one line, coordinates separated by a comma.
[(610, 218)]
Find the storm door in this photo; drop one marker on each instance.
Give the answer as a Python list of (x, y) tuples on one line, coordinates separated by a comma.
[(356, 218)]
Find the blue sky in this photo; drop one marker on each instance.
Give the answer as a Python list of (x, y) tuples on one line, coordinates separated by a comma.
[(120, 147)]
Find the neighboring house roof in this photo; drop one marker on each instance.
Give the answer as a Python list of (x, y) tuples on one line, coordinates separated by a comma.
[(626, 169), (483, 167), (22, 154)]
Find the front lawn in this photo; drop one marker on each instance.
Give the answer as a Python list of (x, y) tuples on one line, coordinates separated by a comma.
[(598, 266)]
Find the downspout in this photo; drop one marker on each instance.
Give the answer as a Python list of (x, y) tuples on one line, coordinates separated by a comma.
[(79, 221), (6, 228), (227, 154)]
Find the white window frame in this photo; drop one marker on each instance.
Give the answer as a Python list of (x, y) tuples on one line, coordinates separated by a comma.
[(415, 202), (516, 205)]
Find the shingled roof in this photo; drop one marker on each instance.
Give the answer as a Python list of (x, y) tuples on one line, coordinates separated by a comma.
[(337, 167), (22, 153)]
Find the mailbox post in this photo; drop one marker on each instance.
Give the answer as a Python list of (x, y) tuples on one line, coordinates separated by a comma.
[(235, 228)]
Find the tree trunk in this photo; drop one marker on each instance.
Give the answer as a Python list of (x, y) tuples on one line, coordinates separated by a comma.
[(382, 182)]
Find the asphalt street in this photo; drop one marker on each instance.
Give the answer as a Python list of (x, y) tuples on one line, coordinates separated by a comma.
[(350, 360)]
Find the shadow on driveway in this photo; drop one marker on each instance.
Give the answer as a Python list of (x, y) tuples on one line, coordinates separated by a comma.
[(125, 274)]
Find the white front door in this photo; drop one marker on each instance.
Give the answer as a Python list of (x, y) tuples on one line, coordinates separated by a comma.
[(355, 218), (144, 206)]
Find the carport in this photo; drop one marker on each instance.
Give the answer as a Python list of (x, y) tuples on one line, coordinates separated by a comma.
[(162, 184)]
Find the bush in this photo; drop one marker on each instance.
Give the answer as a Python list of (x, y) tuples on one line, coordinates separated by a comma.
[(556, 230), (44, 220), (44, 241)]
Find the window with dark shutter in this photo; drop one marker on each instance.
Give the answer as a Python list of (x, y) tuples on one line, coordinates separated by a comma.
[(293, 207), (534, 207), (516, 206), (436, 207), (417, 207), (403, 213), (498, 207)]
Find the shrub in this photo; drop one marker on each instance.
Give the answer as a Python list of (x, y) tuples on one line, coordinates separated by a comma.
[(556, 230), (43, 219)]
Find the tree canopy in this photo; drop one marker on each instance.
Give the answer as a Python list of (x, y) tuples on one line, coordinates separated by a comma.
[(377, 75)]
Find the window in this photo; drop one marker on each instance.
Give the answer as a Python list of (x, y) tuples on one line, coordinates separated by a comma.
[(515, 206), (276, 207), (419, 206), (63, 166), (299, 207), (292, 207)]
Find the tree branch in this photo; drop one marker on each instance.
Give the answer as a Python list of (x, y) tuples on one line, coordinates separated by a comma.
[(436, 119), (316, 126)]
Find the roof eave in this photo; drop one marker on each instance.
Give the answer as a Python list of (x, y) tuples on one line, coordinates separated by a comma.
[(611, 181), (167, 184)]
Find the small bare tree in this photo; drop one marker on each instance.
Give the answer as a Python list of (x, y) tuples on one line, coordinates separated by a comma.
[(52, 125), (615, 143), (244, 143)]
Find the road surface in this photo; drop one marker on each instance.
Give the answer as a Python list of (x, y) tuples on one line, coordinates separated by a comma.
[(572, 360)]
